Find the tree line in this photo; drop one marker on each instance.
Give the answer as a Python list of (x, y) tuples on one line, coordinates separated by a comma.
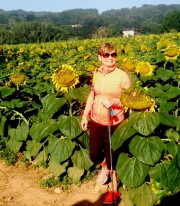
[(19, 26)]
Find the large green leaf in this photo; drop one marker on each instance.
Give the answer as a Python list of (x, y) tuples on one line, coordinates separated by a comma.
[(69, 126), (167, 173), (178, 157), (75, 173), (173, 135), (42, 156), (14, 145), (20, 133), (173, 174), (164, 74), (158, 93), (169, 120), (60, 149), (2, 125), (167, 106), (122, 133), (41, 87), (172, 148), (126, 196), (81, 159), (159, 173), (55, 168), (51, 104), (33, 148), (173, 92), (14, 103), (84, 139), (80, 93), (144, 122), (6, 91), (131, 171), (142, 196), (39, 130), (147, 150)]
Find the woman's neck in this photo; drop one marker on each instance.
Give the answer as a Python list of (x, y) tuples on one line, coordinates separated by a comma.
[(106, 70)]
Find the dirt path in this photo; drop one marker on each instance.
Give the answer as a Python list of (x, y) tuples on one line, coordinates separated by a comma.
[(19, 186)]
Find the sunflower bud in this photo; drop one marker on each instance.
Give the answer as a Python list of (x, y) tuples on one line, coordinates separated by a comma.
[(18, 79)]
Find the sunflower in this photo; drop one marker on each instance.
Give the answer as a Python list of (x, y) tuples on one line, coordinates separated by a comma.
[(129, 64), (136, 100), (128, 48), (143, 47), (163, 44), (144, 68), (81, 48), (21, 50), (17, 79), (65, 78), (172, 53)]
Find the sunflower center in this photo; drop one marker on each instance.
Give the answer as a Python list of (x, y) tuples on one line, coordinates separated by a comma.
[(144, 69), (136, 100), (18, 78), (66, 78), (172, 52)]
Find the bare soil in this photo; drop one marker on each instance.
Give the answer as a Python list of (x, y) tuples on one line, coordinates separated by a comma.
[(20, 186)]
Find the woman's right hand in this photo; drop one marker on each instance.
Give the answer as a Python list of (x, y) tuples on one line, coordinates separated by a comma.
[(84, 123)]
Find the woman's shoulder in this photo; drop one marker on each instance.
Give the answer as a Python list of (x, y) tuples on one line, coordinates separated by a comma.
[(98, 69), (120, 70)]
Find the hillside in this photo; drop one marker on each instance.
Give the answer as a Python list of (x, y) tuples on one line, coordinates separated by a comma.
[(20, 26)]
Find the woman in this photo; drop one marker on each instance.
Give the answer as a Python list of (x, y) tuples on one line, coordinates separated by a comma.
[(108, 83)]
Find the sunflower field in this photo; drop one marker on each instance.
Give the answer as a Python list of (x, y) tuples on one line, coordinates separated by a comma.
[(43, 90)]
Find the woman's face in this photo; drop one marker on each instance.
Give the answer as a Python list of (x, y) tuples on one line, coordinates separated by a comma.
[(108, 59)]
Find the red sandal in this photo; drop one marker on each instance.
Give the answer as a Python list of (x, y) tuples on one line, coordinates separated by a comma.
[(112, 197)]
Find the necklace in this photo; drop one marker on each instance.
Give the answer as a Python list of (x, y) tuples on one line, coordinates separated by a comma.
[(107, 70)]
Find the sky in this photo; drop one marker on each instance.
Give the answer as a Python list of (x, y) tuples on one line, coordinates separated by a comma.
[(62, 5)]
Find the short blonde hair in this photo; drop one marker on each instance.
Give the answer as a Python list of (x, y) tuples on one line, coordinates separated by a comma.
[(106, 48)]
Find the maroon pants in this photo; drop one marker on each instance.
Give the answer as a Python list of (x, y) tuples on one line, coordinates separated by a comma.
[(99, 143)]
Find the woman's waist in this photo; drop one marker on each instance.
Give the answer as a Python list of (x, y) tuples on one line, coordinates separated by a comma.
[(102, 114), (100, 98)]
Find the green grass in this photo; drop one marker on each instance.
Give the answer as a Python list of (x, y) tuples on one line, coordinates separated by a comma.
[(8, 156)]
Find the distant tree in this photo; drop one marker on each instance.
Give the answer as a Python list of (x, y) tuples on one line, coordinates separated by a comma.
[(4, 34), (89, 27), (102, 32), (3, 19), (149, 27), (171, 21), (30, 17)]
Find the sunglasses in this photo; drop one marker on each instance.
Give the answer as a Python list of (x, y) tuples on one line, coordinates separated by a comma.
[(107, 55)]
